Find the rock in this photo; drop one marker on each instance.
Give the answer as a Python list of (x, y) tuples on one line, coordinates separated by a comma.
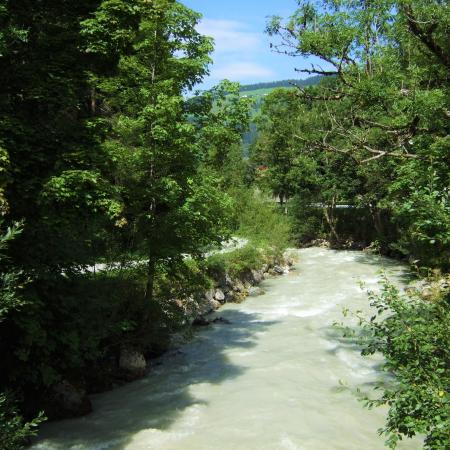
[(201, 322), (257, 276), (229, 296), (179, 303), (255, 291), (221, 320), (278, 270), (215, 304), (209, 294), (219, 295), (69, 401), (265, 268), (132, 363), (225, 282), (288, 258), (238, 286), (267, 275)]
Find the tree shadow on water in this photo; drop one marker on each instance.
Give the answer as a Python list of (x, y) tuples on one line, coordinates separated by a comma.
[(350, 343), (163, 397), (392, 267)]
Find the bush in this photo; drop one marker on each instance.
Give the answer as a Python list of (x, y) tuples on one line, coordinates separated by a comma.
[(237, 262), (261, 221), (412, 333), (15, 431)]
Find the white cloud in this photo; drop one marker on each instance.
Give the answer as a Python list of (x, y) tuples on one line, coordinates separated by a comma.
[(230, 36), (241, 70), (238, 50)]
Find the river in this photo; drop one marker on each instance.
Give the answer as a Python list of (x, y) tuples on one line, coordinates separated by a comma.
[(279, 376)]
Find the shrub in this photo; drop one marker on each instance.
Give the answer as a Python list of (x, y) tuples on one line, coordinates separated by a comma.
[(15, 431), (412, 333)]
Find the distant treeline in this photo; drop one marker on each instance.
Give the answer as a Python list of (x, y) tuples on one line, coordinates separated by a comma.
[(283, 83)]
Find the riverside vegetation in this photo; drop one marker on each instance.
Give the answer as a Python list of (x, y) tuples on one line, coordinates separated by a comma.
[(104, 158)]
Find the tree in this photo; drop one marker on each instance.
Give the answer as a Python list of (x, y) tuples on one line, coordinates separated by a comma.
[(389, 101), (170, 209)]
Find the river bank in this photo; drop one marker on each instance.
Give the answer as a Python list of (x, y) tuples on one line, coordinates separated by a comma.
[(277, 376), (131, 362)]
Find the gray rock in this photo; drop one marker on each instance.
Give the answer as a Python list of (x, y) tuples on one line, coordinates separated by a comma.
[(288, 258), (229, 296), (279, 270), (257, 276), (70, 401), (219, 295), (255, 291), (132, 363), (215, 304), (209, 294), (225, 282), (265, 268), (238, 286)]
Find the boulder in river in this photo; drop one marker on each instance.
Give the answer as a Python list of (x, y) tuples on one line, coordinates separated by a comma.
[(68, 401), (215, 304), (132, 364), (279, 270), (255, 291)]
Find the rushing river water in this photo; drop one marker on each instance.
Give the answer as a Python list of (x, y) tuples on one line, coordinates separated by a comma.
[(279, 376)]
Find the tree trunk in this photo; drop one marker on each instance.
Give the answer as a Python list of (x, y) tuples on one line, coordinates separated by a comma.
[(377, 221), (330, 216)]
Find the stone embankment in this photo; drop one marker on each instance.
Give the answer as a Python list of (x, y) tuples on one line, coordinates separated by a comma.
[(228, 289)]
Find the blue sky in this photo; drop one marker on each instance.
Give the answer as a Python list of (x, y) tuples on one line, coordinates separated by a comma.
[(242, 48)]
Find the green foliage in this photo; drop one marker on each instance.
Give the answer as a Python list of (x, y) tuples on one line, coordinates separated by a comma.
[(266, 87), (103, 158), (11, 280), (373, 133), (412, 334), (15, 432), (261, 221), (238, 262), (222, 117)]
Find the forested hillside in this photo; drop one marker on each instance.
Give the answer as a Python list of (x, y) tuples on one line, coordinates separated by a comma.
[(309, 81), (257, 93)]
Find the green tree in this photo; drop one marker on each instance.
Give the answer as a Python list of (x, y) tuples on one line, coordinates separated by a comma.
[(388, 106), (170, 209)]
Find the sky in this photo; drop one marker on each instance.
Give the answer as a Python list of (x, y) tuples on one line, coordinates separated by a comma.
[(242, 50)]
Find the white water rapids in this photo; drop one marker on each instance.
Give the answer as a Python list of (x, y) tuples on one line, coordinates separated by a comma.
[(279, 376)]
